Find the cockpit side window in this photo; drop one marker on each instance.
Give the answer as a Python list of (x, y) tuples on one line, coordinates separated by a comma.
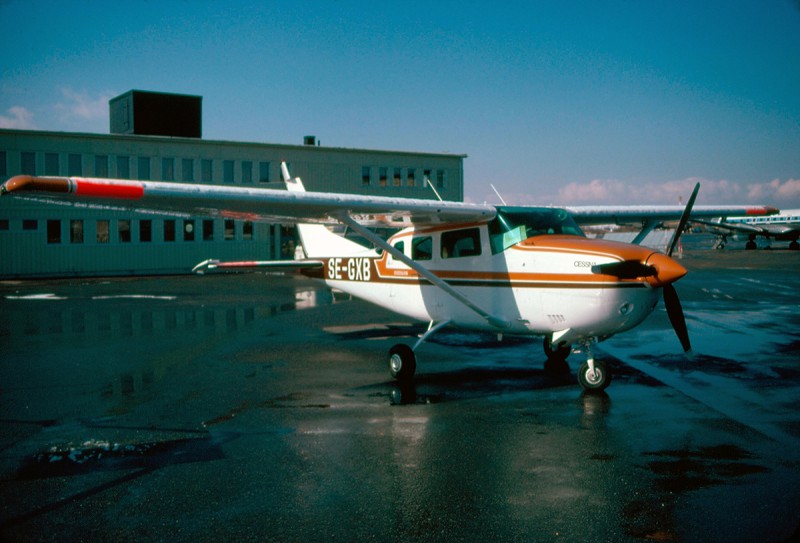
[(515, 224), (460, 243)]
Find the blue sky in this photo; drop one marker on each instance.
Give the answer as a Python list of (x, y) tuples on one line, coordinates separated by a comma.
[(553, 102)]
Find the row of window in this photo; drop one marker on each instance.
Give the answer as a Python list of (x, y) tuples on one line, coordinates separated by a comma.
[(120, 167), (408, 177), (186, 169), (453, 244), (77, 231)]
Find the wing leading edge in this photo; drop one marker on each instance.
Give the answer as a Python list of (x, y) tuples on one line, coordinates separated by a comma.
[(256, 204), (587, 215), (272, 205)]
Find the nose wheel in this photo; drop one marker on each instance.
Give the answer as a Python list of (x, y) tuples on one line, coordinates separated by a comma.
[(593, 374)]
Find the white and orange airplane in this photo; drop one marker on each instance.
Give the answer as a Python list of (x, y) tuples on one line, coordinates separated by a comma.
[(502, 269)]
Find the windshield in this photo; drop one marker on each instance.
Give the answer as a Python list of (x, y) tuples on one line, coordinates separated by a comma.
[(515, 224)]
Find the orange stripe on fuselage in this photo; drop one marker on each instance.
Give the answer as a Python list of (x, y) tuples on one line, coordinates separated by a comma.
[(375, 270)]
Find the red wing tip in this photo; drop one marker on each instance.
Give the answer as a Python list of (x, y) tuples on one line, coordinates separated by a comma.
[(29, 183), (763, 210)]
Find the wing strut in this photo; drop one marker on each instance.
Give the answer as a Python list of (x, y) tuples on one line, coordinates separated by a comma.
[(423, 271)]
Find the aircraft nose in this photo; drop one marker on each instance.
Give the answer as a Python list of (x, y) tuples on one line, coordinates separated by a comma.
[(667, 270)]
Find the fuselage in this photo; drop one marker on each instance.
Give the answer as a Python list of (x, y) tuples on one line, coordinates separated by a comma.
[(538, 274)]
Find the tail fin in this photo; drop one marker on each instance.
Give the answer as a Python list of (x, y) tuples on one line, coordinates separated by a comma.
[(316, 239)]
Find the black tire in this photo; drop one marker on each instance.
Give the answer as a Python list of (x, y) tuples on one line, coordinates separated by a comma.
[(402, 362), (560, 353), (601, 379)]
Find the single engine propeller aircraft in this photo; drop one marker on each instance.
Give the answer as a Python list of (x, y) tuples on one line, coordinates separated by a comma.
[(502, 269)]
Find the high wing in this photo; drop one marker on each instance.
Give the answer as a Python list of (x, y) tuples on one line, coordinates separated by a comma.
[(621, 215), (255, 204), (272, 205)]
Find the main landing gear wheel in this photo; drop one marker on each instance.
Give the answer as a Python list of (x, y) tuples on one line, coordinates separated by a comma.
[(561, 352), (556, 363), (402, 362), (597, 380)]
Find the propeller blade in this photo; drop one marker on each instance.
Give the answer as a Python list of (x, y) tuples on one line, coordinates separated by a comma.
[(675, 313), (627, 269), (682, 223)]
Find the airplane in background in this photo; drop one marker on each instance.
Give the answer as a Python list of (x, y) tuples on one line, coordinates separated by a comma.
[(785, 226), (502, 269)]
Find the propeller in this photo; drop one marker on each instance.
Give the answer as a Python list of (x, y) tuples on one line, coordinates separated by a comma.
[(671, 300), (627, 269), (664, 270), (684, 219)]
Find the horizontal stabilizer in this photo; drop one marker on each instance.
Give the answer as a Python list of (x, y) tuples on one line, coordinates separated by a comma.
[(252, 265)]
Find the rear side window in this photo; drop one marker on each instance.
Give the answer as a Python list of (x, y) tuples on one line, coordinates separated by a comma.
[(460, 243), (422, 248)]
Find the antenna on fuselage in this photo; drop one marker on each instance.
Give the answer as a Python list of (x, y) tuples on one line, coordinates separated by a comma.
[(498, 195), (428, 182)]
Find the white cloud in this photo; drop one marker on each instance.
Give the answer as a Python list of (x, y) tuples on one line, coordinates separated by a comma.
[(781, 193), (80, 110), (610, 192), (19, 118)]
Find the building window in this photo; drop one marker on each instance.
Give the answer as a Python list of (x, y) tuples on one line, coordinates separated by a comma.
[(397, 181), (143, 168), (168, 169), (227, 171), (366, 176), (51, 164), (426, 174), (30, 225), (74, 164), (411, 177), (3, 164), (187, 170), (54, 231), (4, 225), (208, 230), (263, 172), (28, 163), (146, 231), (206, 170), (383, 176), (124, 231), (101, 165), (247, 171), (439, 179), (103, 229), (188, 230), (123, 167), (230, 229), (169, 230), (247, 230), (76, 231)]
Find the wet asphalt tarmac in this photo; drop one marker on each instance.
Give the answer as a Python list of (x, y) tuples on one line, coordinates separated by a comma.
[(259, 408)]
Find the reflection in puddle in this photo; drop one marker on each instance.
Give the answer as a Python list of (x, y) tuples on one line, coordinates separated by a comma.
[(133, 315), (92, 456)]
